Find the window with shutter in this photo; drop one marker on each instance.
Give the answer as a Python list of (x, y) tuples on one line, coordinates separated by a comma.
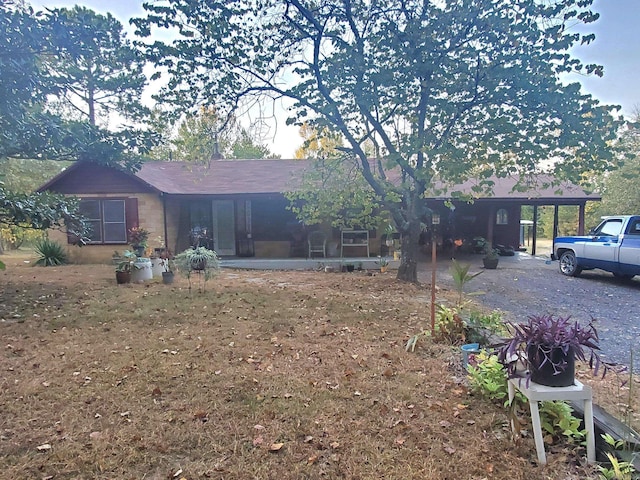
[(109, 218)]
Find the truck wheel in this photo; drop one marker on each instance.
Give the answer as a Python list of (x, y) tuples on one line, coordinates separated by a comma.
[(569, 264)]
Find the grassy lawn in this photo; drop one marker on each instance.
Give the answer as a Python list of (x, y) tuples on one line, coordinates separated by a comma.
[(265, 375)]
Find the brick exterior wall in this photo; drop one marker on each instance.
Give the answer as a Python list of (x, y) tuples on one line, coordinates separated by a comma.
[(150, 217)]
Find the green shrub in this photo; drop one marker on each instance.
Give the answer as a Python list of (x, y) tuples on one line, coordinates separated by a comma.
[(449, 328), (557, 418), (50, 253), (488, 377), (481, 326)]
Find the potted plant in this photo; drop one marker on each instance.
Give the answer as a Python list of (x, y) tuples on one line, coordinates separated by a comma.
[(200, 260), (138, 239), (167, 271), (384, 264), (491, 258), (116, 258), (479, 245), (544, 349), (348, 267), (125, 266)]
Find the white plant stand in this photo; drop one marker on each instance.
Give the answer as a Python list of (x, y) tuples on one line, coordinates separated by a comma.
[(538, 393), (354, 238)]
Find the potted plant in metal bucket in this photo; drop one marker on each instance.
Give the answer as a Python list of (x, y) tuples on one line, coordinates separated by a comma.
[(544, 349)]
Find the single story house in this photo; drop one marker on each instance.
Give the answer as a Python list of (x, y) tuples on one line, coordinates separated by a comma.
[(237, 207)]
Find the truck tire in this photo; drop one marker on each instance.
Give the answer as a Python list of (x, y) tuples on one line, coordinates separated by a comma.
[(569, 264)]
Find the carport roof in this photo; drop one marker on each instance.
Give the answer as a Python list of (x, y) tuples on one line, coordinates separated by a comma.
[(540, 188)]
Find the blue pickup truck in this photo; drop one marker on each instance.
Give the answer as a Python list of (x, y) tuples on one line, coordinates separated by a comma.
[(613, 246)]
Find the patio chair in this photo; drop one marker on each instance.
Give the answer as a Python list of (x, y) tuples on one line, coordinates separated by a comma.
[(317, 243)]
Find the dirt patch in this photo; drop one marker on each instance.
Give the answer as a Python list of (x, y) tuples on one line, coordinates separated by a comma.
[(264, 375)]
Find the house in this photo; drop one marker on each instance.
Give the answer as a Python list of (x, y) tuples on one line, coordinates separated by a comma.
[(237, 207)]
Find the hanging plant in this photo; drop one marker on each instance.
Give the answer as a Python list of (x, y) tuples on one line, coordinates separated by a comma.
[(200, 260)]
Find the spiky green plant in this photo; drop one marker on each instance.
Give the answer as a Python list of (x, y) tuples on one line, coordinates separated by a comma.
[(461, 276), (50, 253)]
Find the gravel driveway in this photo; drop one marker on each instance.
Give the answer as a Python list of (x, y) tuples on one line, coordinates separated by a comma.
[(524, 285)]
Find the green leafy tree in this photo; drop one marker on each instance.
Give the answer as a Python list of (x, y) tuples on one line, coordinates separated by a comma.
[(40, 211), (24, 125), (31, 47), (205, 135), (96, 70), (620, 193), (448, 90), (245, 146), (317, 143), (200, 137), (333, 191), (24, 176)]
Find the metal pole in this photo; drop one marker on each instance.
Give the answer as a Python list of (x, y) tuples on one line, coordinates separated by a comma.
[(433, 280), (435, 220)]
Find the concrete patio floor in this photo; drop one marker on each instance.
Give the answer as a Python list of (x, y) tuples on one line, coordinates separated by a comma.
[(366, 263)]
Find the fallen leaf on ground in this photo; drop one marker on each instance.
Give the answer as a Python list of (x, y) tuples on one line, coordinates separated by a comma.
[(276, 447)]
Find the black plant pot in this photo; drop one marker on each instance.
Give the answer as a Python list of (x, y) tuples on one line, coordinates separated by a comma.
[(123, 277), (167, 278), (490, 263), (562, 375), (198, 264)]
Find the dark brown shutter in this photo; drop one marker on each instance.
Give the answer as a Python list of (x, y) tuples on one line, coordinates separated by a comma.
[(131, 212)]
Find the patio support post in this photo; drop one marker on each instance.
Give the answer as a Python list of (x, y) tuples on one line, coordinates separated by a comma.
[(535, 229), (490, 223), (555, 220), (581, 210)]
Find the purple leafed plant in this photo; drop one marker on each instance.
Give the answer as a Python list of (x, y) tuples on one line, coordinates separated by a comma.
[(546, 333)]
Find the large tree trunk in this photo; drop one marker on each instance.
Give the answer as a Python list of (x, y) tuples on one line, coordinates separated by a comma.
[(408, 270)]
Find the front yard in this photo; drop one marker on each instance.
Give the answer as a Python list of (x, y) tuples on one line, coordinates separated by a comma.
[(286, 375)]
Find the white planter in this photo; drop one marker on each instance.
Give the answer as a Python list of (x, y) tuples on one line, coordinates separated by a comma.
[(141, 270), (156, 267)]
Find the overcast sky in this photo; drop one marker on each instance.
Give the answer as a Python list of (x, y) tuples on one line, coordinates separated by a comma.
[(617, 48)]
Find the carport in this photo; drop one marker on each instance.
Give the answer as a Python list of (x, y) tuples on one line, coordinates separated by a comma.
[(497, 215)]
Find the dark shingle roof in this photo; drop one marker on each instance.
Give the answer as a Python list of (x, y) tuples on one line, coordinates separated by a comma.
[(269, 176), (540, 188), (222, 177)]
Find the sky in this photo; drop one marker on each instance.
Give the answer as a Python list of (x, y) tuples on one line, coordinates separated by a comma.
[(616, 47)]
